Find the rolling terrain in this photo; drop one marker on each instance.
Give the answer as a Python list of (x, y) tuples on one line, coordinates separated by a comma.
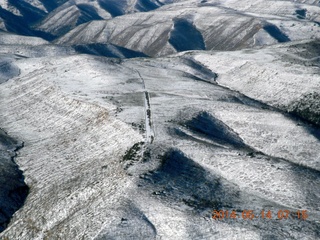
[(138, 119)]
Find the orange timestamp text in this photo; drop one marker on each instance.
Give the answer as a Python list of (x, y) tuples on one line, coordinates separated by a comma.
[(263, 214)]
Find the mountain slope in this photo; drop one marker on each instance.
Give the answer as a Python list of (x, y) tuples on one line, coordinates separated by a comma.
[(101, 175), (145, 119), (13, 189), (51, 19), (190, 26)]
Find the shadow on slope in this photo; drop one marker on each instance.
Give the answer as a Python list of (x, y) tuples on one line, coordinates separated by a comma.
[(301, 13), (276, 33), (180, 179), (108, 50), (131, 224), (7, 70), (87, 13), (30, 13), (147, 5), (119, 7), (13, 23), (199, 70), (52, 4), (114, 7), (179, 182), (13, 191), (185, 36), (17, 24), (31, 16), (212, 128)]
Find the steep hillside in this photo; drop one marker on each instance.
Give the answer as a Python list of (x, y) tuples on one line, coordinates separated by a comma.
[(157, 28), (50, 19), (13, 189), (285, 84), (191, 25)]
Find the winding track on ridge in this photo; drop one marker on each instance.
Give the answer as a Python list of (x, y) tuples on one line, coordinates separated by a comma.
[(147, 112)]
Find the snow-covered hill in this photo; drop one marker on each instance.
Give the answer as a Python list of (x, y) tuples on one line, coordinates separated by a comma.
[(158, 28), (53, 18), (147, 148), (191, 25), (116, 144)]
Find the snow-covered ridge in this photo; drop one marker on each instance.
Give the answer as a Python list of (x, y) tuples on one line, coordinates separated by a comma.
[(60, 151), (153, 27), (50, 19), (147, 148), (210, 27), (97, 176)]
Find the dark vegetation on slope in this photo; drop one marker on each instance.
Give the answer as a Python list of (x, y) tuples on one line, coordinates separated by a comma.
[(308, 108), (309, 50)]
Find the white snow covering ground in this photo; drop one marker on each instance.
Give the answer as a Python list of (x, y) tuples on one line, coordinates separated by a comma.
[(223, 25), (76, 115), (147, 148)]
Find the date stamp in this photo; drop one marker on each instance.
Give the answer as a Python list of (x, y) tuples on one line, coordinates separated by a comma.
[(263, 214)]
